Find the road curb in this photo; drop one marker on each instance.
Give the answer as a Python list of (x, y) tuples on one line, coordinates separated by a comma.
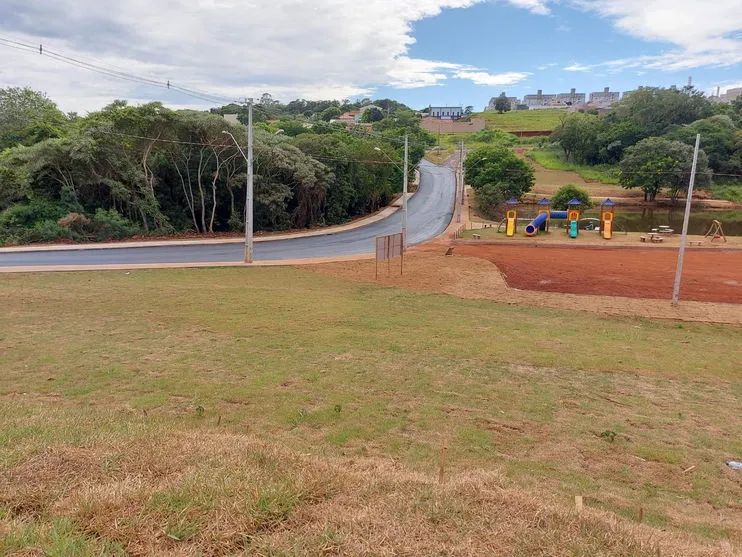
[(150, 266)]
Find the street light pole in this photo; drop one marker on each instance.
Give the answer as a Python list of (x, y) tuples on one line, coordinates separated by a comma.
[(404, 185), (684, 235), (249, 186), (404, 192), (248, 201)]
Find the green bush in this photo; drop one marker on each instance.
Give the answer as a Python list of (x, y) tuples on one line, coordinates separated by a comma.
[(498, 137), (565, 193), (488, 198), (110, 223), (26, 215), (46, 231)]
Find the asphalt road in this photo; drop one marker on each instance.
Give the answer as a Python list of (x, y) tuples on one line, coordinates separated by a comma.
[(429, 212)]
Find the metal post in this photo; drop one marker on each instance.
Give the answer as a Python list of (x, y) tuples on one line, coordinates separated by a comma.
[(248, 200), (460, 177), (404, 193), (683, 237)]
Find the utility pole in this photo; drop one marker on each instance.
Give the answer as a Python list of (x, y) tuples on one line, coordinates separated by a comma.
[(404, 192), (249, 224), (684, 236), (461, 180)]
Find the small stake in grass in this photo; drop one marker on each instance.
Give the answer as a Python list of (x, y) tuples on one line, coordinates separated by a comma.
[(578, 503), (442, 464), (641, 514)]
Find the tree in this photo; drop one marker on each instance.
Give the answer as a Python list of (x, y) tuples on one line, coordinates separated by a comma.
[(657, 110), (488, 198), (566, 193), (655, 163), (468, 110), (371, 115), (27, 117), (576, 135), (718, 137), (502, 104), (500, 166), (330, 113)]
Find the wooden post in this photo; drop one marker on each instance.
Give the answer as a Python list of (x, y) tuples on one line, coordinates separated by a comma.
[(442, 464), (578, 503)]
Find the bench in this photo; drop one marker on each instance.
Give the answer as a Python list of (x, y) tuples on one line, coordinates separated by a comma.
[(695, 243), (476, 236), (657, 239)]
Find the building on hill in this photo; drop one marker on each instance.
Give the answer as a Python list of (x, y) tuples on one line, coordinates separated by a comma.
[(512, 101), (604, 98), (572, 98), (730, 96), (354, 116), (539, 100), (446, 112)]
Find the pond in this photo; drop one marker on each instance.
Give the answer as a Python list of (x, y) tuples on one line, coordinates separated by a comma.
[(645, 219)]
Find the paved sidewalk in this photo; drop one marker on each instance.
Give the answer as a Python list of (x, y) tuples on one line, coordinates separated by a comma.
[(141, 266)]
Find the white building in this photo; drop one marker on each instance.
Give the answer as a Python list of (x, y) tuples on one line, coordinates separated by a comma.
[(512, 101), (446, 112), (572, 98), (539, 100), (604, 98)]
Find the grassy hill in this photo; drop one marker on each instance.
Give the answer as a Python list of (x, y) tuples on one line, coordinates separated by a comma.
[(277, 411), (523, 120)]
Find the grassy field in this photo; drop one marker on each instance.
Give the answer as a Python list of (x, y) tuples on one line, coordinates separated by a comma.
[(554, 160), (281, 412), (523, 120), (731, 191)]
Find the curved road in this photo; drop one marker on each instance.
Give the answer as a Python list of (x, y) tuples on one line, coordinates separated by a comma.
[(429, 212)]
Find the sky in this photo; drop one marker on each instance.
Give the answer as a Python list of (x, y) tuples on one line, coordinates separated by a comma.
[(420, 52)]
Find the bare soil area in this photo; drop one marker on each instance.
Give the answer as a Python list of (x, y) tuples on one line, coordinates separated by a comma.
[(471, 273), (708, 276)]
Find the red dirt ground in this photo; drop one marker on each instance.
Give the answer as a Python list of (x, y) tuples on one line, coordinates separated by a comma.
[(708, 276)]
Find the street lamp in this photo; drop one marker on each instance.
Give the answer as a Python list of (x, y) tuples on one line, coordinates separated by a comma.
[(404, 186), (249, 194), (463, 185)]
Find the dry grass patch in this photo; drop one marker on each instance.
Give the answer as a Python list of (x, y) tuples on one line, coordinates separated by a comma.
[(230, 494), (278, 411)]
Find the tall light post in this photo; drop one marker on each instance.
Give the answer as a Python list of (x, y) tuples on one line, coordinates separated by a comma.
[(463, 182), (249, 194), (404, 186), (686, 218)]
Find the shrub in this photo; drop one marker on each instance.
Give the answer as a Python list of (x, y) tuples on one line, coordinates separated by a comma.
[(46, 231), (489, 197), (26, 215), (77, 223), (112, 224), (565, 193)]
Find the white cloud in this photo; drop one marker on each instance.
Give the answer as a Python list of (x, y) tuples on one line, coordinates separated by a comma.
[(703, 34), (578, 68), (539, 7), (484, 78), (235, 48)]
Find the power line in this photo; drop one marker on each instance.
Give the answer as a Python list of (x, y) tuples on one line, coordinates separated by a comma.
[(115, 72)]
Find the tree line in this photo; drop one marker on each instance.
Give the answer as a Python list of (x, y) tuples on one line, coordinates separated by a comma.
[(126, 170), (650, 136)]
